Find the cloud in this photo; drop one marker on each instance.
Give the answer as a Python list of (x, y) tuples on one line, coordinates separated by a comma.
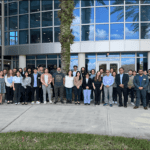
[(116, 36), (76, 20), (130, 33), (102, 34), (127, 61), (91, 34)]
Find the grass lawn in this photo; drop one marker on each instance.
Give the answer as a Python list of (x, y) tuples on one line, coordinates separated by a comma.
[(34, 140)]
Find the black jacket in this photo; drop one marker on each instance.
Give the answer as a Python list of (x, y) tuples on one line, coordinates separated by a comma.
[(125, 80), (89, 84), (38, 80)]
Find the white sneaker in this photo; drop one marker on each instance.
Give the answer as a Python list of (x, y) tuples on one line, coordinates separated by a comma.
[(115, 102), (132, 103), (44, 102), (16, 103), (50, 102), (37, 102), (32, 102)]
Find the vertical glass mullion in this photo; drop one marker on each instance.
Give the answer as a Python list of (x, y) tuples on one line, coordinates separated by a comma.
[(29, 21), (94, 20), (46, 61), (53, 21), (136, 61), (140, 20), (80, 25), (124, 24), (41, 21), (18, 20), (109, 25)]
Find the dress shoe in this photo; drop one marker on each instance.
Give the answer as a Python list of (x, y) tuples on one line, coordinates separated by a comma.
[(120, 105), (125, 106), (55, 102), (135, 107), (62, 102), (145, 108)]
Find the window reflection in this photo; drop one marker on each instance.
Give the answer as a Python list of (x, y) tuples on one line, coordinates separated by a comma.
[(23, 7), (13, 38), (76, 13), (72, 63), (13, 24), (56, 19), (47, 19), (41, 63), (73, 56), (87, 32), (47, 35), (145, 30), (47, 4), (90, 64), (40, 56), (127, 54), (142, 63), (23, 37), (23, 21), (56, 4), (132, 1), (5, 9), (76, 32), (92, 55), (145, 13), (102, 32), (141, 54), (6, 38), (34, 5), (34, 20), (108, 59), (35, 36), (85, 3), (30, 64), (30, 57), (116, 2), (52, 56), (101, 3), (145, 1), (6, 24), (77, 3), (56, 33), (12, 8), (87, 15)]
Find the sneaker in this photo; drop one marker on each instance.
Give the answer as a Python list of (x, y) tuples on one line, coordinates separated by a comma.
[(50, 102), (32, 102), (132, 103), (16, 103), (37, 102), (105, 104), (44, 102), (111, 105), (113, 102), (116, 102)]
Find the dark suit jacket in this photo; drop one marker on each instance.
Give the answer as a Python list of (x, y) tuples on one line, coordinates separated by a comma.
[(38, 80), (89, 84), (144, 83), (125, 80)]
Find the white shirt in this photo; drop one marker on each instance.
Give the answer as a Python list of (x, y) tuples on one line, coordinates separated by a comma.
[(87, 80), (69, 82), (46, 79), (74, 73)]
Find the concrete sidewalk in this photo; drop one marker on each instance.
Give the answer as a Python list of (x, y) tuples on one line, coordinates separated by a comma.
[(115, 121)]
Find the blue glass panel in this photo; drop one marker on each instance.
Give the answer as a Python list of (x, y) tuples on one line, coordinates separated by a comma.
[(41, 63), (132, 1), (56, 33), (40, 56), (77, 3), (116, 31), (23, 21), (34, 5), (72, 63), (102, 14), (127, 54), (23, 7), (102, 32), (116, 2), (76, 13), (87, 32), (6, 38), (142, 63), (56, 4), (145, 1), (101, 3), (30, 57), (13, 38), (13, 23), (52, 66), (90, 64), (132, 13), (145, 30), (13, 8), (0, 10), (87, 15), (73, 56), (47, 35), (113, 55), (117, 14), (30, 64), (91, 55), (76, 32), (47, 18), (47, 4), (145, 13), (142, 54), (35, 36), (5, 5), (108, 59), (85, 3), (52, 56), (6, 24), (56, 19), (132, 31), (34, 20), (23, 37)]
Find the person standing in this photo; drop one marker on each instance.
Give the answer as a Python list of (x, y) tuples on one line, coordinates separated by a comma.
[(87, 86), (35, 85), (14, 71), (46, 79), (114, 88), (141, 84), (17, 80), (69, 83), (102, 75), (130, 88), (4, 74), (122, 82), (111, 71), (2, 86), (29, 72), (145, 72), (26, 84), (92, 78), (9, 86), (24, 70), (21, 71), (108, 81), (97, 86), (58, 82), (134, 73), (75, 70), (148, 91), (78, 87)]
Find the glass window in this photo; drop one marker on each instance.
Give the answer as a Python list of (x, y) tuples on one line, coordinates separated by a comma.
[(47, 19), (23, 21), (17, 64), (30, 57), (145, 1), (102, 32), (56, 19), (90, 64), (23, 37), (72, 63), (56, 33), (13, 38), (145, 13), (6, 38), (6, 24), (142, 63), (52, 66), (116, 2), (117, 31), (30, 64), (141, 54), (127, 54), (132, 13), (13, 25), (102, 55), (85, 3), (91, 55), (0, 10), (23, 7), (12, 8), (56, 4), (145, 30), (77, 3), (5, 5), (41, 63), (40, 56), (52, 56), (76, 13), (101, 3), (87, 15), (102, 14), (113, 55), (59, 63), (72, 56), (34, 20), (34, 5), (117, 14), (132, 31), (76, 32), (132, 1), (5, 1), (87, 32), (47, 4), (35, 36), (47, 35)]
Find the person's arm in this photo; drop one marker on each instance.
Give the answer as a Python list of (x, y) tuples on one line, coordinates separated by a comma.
[(75, 82), (53, 81), (84, 84), (117, 81), (42, 79), (126, 80), (64, 81), (81, 81), (90, 83), (147, 82), (5, 78), (93, 85), (13, 86), (104, 82), (112, 81), (134, 82), (50, 79)]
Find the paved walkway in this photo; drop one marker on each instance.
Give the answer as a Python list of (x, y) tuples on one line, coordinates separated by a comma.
[(115, 121)]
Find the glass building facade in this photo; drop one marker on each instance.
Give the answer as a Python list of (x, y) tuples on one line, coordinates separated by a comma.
[(29, 23)]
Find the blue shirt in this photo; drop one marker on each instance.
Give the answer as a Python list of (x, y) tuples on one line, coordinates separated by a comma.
[(17, 79), (108, 80), (140, 79), (35, 80), (121, 76), (10, 79)]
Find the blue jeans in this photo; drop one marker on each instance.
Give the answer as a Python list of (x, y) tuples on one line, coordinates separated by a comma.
[(87, 94), (140, 93), (69, 93)]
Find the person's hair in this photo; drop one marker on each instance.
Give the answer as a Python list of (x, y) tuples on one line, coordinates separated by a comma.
[(134, 71), (81, 69), (145, 70), (108, 70), (101, 68), (45, 69), (68, 73), (130, 70), (148, 69), (8, 75), (113, 73), (25, 75), (79, 76), (58, 67), (20, 68), (4, 69), (93, 69), (99, 78), (140, 69), (17, 72), (121, 68), (87, 73), (111, 68), (35, 68), (75, 66), (15, 68)]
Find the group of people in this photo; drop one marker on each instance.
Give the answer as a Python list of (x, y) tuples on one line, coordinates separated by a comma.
[(20, 86)]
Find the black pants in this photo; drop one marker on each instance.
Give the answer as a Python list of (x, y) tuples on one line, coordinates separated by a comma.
[(148, 98), (17, 92), (77, 93), (26, 94), (37, 93), (21, 93), (9, 93), (114, 94), (103, 94), (131, 91), (124, 91), (97, 92), (41, 95), (61, 89)]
